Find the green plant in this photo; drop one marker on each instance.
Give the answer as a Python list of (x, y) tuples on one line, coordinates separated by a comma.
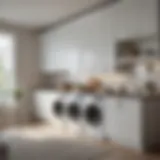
[(18, 94)]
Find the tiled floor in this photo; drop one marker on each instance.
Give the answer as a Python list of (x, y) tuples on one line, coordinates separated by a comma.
[(120, 153), (37, 137), (112, 153), (126, 156)]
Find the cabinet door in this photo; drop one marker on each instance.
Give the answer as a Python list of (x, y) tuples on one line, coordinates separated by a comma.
[(68, 61), (129, 120), (87, 63), (124, 122), (56, 57), (47, 54)]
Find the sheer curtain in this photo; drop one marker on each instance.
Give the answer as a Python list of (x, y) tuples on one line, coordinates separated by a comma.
[(7, 69)]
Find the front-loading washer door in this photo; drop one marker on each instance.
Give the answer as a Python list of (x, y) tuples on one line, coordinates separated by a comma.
[(93, 115), (58, 108), (74, 111)]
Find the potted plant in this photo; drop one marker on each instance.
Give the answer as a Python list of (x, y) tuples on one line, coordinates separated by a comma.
[(18, 94)]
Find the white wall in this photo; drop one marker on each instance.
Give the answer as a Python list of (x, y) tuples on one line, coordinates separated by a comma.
[(26, 51), (87, 45)]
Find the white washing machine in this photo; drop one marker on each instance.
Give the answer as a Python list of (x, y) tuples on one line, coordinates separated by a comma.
[(95, 116), (50, 108), (73, 113)]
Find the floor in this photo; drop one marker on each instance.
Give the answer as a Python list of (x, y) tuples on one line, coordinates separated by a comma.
[(119, 153), (42, 143)]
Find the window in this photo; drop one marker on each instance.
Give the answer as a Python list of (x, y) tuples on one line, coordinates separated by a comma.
[(7, 68)]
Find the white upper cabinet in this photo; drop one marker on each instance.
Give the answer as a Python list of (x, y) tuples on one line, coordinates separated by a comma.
[(55, 57), (88, 45)]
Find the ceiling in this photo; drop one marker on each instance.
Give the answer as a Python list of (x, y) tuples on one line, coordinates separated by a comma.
[(36, 14)]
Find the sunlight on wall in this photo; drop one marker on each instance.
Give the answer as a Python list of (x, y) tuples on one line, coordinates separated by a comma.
[(7, 68)]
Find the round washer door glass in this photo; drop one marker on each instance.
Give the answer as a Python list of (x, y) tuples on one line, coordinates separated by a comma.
[(93, 114), (74, 111), (58, 108)]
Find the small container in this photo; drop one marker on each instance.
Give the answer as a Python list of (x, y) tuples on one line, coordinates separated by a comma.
[(151, 88)]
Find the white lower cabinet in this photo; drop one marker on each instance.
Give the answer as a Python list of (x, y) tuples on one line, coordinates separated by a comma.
[(133, 122)]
